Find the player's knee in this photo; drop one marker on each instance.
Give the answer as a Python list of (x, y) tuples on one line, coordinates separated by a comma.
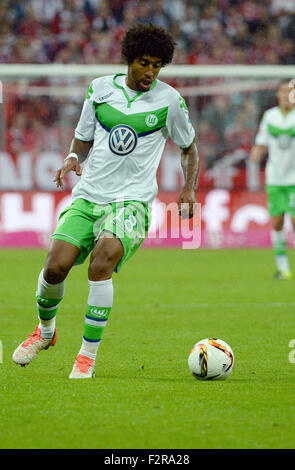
[(104, 260), (55, 272), (99, 271), (102, 266), (60, 259)]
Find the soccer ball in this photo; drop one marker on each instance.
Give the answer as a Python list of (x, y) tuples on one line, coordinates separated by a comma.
[(211, 359)]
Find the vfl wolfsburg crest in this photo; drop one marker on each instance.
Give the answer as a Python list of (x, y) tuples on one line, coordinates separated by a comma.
[(122, 140), (284, 136), (98, 312), (284, 141), (151, 120)]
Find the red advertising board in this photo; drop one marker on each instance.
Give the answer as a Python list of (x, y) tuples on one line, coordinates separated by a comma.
[(223, 219)]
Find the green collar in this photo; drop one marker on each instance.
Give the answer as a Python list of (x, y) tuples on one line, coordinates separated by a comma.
[(130, 100)]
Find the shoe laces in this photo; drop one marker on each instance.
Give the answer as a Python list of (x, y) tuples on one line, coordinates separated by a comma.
[(83, 363), (33, 337)]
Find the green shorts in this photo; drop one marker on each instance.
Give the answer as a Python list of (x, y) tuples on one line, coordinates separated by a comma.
[(84, 222), (281, 200)]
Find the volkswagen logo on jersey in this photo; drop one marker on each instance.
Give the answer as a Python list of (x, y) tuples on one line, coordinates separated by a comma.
[(122, 140)]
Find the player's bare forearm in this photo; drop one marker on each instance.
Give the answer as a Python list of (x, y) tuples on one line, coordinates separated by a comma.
[(257, 153), (81, 149), (190, 167)]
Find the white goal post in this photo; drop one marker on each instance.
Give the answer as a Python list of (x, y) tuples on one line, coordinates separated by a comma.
[(230, 78), (19, 71)]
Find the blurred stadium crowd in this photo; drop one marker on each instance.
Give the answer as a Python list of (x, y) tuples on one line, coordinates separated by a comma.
[(89, 32)]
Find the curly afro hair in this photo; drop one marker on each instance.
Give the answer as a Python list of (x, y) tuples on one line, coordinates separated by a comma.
[(150, 40)]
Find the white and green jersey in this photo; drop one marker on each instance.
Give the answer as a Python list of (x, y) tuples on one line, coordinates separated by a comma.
[(277, 132), (129, 130)]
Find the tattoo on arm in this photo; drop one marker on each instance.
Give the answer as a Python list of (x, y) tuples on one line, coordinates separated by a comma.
[(190, 165)]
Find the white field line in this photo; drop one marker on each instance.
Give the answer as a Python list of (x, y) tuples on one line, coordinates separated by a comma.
[(222, 304), (199, 305)]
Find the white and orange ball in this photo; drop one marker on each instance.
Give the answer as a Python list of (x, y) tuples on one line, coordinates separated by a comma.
[(211, 359)]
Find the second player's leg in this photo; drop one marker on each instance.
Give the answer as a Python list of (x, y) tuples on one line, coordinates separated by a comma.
[(280, 247), (278, 222), (293, 222)]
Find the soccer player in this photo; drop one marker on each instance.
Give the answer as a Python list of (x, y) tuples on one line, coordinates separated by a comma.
[(276, 136), (121, 134)]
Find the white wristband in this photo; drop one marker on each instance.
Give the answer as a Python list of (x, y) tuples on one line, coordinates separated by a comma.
[(72, 154)]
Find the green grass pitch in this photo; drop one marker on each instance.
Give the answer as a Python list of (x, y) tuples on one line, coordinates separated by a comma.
[(143, 395)]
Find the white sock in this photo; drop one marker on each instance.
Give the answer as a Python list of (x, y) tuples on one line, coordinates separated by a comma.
[(50, 291), (89, 349), (282, 263), (100, 301), (47, 327), (101, 293), (278, 238)]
